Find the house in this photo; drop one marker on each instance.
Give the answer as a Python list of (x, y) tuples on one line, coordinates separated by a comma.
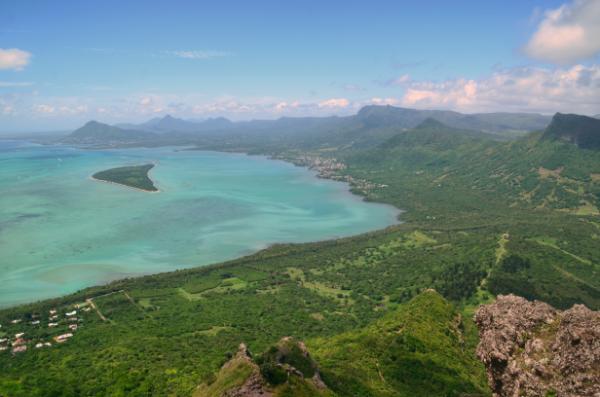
[(36, 322), (52, 312), (3, 340), (19, 342), (72, 319), (2, 348), (19, 335), (69, 314), (73, 327), (50, 325), (19, 349), (54, 317), (38, 345), (63, 338), (47, 344), (16, 321)]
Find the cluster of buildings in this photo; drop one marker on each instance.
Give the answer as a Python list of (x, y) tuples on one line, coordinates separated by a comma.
[(326, 167), (330, 168), (19, 342)]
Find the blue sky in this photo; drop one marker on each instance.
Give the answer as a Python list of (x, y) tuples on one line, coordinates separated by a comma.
[(64, 62)]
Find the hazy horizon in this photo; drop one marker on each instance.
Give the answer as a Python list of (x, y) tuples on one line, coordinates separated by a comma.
[(64, 64)]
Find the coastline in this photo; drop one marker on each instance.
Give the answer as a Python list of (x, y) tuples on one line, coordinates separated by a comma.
[(315, 171), (323, 168)]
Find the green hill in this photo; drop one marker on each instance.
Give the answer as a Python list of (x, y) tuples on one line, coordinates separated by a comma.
[(418, 349), (582, 131), (285, 369), (94, 132)]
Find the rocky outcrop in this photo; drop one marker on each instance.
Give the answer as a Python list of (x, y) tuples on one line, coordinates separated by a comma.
[(285, 369), (254, 385), (532, 349), (238, 377)]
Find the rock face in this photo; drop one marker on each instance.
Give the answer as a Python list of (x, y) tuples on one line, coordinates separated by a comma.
[(254, 385), (532, 349)]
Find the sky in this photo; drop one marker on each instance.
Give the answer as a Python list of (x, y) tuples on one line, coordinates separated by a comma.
[(63, 63)]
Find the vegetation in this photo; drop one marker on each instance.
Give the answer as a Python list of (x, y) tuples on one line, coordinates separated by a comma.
[(417, 349), (132, 176), (483, 217)]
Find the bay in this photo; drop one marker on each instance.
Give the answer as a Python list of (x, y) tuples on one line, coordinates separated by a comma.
[(61, 231)]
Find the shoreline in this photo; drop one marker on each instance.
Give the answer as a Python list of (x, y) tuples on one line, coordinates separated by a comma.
[(315, 171)]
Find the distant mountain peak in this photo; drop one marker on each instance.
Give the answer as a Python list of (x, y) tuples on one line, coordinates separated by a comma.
[(431, 123), (93, 123), (94, 132), (579, 130)]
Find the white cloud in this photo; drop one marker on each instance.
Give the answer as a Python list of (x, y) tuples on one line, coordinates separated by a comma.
[(199, 54), (284, 106), (13, 58), (385, 101), (44, 109), (573, 89), (567, 34), (334, 103), (61, 108)]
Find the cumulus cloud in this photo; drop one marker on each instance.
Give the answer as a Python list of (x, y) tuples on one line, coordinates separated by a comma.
[(529, 89), (567, 34), (199, 54), (334, 103), (13, 58), (385, 101)]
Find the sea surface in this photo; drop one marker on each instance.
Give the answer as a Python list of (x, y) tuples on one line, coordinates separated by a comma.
[(61, 231)]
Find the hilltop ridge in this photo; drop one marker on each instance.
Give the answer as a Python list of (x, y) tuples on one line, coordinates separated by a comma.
[(579, 130)]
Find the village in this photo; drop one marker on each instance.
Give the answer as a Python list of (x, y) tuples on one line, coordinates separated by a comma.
[(38, 331), (331, 168)]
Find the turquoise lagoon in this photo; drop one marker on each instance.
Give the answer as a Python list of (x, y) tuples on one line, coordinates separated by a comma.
[(61, 231)]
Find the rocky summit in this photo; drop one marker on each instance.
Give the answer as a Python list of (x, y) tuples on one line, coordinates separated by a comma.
[(532, 349)]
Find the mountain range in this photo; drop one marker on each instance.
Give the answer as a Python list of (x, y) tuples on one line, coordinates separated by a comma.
[(371, 126)]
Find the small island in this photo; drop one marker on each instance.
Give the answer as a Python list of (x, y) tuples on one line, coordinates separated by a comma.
[(132, 176)]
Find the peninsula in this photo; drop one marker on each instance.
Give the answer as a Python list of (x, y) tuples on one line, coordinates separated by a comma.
[(131, 176)]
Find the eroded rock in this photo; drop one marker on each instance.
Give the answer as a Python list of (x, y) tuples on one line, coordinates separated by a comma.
[(532, 349)]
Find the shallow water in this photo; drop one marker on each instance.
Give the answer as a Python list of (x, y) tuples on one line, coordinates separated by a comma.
[(60, 231)]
